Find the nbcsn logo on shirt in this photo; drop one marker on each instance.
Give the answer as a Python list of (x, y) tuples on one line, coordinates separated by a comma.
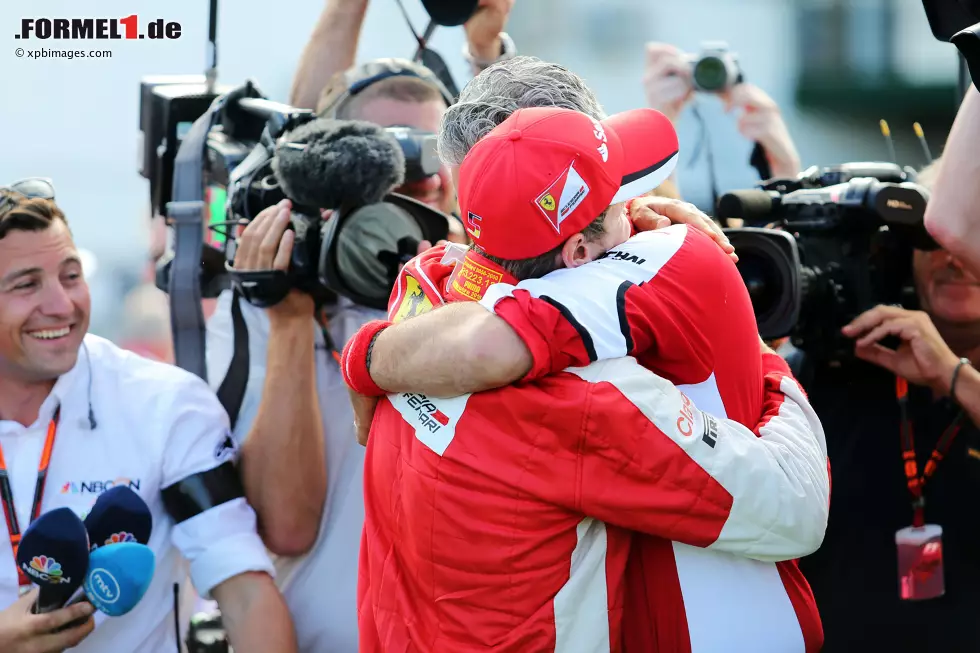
[(98, 487)]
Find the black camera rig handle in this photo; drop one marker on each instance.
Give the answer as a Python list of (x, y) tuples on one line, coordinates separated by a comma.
[(261, 288)]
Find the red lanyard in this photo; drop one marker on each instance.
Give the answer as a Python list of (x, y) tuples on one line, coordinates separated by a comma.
[(7, 495), (915, 482)]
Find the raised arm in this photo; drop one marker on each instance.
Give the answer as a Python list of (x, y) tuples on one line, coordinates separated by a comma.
[(280, 426), (331, 49), (951, 214)]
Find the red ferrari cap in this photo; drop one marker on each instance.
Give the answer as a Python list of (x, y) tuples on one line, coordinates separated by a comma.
[(544, 174)]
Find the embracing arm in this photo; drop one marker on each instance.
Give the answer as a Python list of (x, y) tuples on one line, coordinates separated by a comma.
[(255, 615), (651, 461), (450, 351), (951, 214), (331, 49)]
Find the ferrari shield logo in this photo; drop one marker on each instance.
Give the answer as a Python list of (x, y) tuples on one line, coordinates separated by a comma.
[(414, 302), (570, 189)]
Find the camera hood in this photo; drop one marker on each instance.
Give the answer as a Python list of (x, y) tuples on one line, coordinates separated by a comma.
[(362, 248), (967, 41)]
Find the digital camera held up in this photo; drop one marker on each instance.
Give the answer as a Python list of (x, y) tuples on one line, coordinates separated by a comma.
[(715, 69), (837, 241)]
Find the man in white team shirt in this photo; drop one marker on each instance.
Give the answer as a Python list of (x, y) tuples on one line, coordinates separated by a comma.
[(119, 418)]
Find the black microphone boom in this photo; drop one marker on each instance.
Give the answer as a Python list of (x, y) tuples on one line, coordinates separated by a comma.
[(330, 164)]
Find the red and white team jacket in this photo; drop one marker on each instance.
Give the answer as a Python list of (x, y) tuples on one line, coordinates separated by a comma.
[(504, 519)]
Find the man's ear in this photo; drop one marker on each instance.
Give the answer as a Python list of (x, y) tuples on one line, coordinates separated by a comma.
[(575, 252)]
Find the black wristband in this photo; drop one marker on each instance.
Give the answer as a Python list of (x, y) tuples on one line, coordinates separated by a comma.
[(370, 350), (956, 375)]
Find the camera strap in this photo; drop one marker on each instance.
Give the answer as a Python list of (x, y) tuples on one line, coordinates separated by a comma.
[(231, 393), (915, 481), (186, 214)]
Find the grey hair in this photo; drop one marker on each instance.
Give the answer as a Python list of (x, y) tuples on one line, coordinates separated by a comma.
[(503, 88)]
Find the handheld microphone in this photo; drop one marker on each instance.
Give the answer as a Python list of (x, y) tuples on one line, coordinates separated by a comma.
[(119, 515), (331, 164), (118, 577), (54, 555)]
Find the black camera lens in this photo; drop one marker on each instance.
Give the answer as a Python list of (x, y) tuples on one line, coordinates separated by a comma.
[(769, 264), (711, 74), (763, 280)]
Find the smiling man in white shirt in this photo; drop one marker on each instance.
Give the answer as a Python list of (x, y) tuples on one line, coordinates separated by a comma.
[(114, 418)]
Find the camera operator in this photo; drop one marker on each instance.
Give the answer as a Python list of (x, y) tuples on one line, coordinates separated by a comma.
[(103, 413), (333, 45), (856, 576), (669, 89), (326, 71), (953, 214)]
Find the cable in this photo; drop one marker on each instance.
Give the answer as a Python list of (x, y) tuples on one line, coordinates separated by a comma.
[(177, 615), (91, 413), (211, 74), (705, 136)]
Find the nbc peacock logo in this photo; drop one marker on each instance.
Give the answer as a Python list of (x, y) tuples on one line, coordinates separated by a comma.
[(118, 538), (46, 569)]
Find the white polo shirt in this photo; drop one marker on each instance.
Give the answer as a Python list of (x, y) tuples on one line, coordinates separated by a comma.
[(320, 587), (155, 425)]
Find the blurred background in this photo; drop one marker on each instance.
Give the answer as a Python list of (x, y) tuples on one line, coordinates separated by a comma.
[(834, 66)]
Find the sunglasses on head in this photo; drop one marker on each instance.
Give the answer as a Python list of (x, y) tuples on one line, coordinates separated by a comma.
[(30, 188)]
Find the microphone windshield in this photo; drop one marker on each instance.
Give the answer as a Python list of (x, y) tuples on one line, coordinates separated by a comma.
[(118, 577), (329, 164), (751, 205), (54, 555), (119, 515)]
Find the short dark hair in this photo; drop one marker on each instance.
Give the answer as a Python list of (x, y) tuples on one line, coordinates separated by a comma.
[(538, 266), (25, 214)]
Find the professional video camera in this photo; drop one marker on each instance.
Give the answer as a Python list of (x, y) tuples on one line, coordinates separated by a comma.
[(259, 152), (347, 166), (838, 242), (195, 135)]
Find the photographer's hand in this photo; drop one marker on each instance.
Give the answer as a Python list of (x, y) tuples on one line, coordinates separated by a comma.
[(762, 122), (651, 212), (667, 80), (923, 358), (484, 27), (267, 244)]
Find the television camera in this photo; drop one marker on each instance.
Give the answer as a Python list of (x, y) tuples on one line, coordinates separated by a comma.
[(818, 250)]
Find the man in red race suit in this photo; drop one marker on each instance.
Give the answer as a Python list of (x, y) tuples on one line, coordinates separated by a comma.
[(671, 298)]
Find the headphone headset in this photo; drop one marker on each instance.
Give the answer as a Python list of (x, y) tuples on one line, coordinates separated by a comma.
[(346, 85)]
